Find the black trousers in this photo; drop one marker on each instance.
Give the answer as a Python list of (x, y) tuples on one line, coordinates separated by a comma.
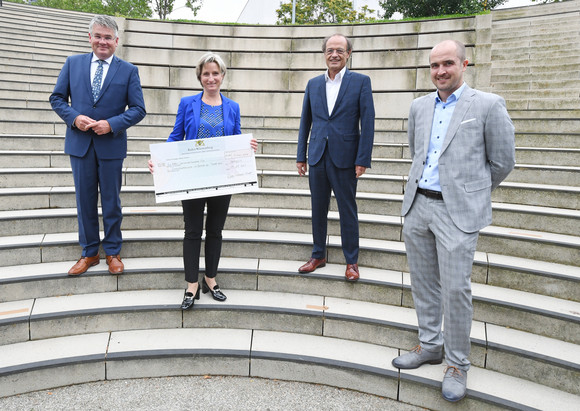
[(217, 211)]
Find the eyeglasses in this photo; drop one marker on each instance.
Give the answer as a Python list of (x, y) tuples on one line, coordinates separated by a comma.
[(106, 38), (330, 52)]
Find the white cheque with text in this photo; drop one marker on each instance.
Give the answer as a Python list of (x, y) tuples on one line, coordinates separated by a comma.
[(205, 167)]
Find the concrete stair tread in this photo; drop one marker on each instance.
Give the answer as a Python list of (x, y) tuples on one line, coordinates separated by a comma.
[(529, 301), (568, 240), (553, 350), (549, 349), (551, 306), (494, 387), (286, 347), (535, 266), (48, 352)]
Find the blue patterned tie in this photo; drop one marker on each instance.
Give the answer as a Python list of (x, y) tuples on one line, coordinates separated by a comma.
[(97, 80)]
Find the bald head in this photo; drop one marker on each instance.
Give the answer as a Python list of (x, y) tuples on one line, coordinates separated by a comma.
[(448, 63)]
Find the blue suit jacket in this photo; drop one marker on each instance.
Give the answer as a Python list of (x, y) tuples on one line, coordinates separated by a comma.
[(120, 103), (348, 131), (188, 118)]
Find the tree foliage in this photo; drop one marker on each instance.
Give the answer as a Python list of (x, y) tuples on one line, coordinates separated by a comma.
[(163, 8), (429, 8), (194, 5), (126, 8), (323, 11)]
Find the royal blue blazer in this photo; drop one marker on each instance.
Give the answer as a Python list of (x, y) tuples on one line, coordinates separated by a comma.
[(189, 113)]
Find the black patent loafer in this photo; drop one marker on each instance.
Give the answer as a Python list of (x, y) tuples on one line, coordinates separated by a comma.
[(216, 293), (188, 300)]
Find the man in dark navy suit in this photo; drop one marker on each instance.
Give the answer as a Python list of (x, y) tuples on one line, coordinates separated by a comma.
[(105, 100), (338, 113)]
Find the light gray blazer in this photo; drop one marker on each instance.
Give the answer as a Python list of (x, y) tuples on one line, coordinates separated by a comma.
[(477, 154)]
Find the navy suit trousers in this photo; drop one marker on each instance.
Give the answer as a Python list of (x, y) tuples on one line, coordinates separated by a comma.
[(324, 177), (92, 174)]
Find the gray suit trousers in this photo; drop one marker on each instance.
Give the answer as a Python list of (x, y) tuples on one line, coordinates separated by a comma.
[(440, 258)]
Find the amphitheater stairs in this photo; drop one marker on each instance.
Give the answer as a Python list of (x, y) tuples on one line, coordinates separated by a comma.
[(277, 323)]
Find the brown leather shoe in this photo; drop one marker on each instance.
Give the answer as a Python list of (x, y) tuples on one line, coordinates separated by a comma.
[(312, 265), (115, 264), (351, 273), (83, 265)]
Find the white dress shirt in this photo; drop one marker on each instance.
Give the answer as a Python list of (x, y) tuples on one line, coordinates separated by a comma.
[(95, 64), (332, 88)]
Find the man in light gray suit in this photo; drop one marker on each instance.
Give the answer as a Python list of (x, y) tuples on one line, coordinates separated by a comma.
[(462, 144)]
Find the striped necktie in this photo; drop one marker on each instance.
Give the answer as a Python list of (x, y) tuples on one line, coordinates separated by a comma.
[(97, 80)]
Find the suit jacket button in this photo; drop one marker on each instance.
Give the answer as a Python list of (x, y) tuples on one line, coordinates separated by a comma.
[(417, 181)]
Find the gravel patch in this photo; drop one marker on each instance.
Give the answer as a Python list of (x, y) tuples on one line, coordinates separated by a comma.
[(199, 393)]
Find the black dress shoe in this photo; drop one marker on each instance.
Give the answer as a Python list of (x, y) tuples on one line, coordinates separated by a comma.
[(188, 299), (216, 293)]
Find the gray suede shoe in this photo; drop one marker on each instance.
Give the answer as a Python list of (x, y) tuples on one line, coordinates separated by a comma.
[(417, 357), (454, 384)]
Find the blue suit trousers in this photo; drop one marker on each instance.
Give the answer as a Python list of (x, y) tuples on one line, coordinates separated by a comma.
[(323, 177), (92, 174)]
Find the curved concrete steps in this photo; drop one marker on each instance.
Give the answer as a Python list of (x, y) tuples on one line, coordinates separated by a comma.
[(256, 353), (380, 291)]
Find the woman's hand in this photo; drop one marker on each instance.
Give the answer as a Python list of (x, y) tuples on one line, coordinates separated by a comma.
[(254, 144), (150, 165)]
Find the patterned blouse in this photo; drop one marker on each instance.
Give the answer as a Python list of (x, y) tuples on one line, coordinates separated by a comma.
[(211, 121)]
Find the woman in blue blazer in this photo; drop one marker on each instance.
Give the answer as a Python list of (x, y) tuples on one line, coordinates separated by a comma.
[(207, 114)]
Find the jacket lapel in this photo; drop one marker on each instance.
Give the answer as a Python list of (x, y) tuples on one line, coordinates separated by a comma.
[(88, 83), (228, 115), (322, 91), (341, 91), (113, 67), (461, 108), (430, 108)]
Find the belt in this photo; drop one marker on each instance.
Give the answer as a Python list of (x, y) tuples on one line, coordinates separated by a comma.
[(430, 193)]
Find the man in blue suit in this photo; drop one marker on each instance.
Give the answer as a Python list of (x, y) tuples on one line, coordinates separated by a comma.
[(338, 113), (105, 100)]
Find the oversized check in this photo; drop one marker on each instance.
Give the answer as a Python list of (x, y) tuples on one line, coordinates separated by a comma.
[(203, 168)]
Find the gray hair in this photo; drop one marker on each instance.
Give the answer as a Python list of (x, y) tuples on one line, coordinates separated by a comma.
[(210, 57), (104, 21), (348, 42)]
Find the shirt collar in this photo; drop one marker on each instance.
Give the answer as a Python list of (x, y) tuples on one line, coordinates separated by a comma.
[(339, 75), (453, 97), (95, 58)]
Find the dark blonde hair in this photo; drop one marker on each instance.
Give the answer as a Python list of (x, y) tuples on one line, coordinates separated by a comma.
[(210, 57)]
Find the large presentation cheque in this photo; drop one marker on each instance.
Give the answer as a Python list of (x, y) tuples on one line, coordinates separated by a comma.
[(203, 168)]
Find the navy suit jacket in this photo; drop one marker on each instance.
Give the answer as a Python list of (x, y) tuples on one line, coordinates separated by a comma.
[(120, 102), (348, 130), (189, 113)]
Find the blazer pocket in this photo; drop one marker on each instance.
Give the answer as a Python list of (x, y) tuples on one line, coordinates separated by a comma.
[(350, 137), (468, 121), (477, 185)]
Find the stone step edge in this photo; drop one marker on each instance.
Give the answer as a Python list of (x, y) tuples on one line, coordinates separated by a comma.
[(553, 307), (50, 239), (268, 173), (256, 346), (281, 157), (492, 231), (544, 349)]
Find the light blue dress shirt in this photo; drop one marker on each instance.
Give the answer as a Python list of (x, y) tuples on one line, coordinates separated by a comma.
[(441, 118)]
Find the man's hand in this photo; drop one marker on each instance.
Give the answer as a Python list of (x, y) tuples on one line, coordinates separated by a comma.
[(83, 123), (302, 168), (100, 127), (360, 170)]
